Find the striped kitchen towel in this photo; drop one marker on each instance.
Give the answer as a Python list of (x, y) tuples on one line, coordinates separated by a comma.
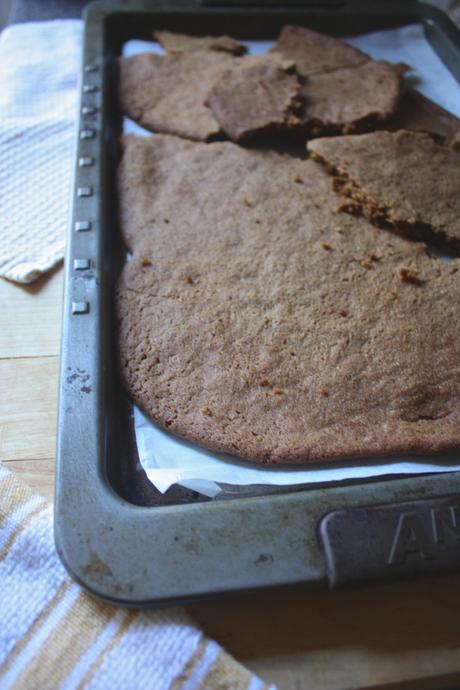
[(54, 635)]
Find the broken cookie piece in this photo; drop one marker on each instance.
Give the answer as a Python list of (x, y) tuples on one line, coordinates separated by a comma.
[(256, 96), (404, 180), (166, 93), (418, 113), (349, 100), (183, 43), (343, 89), (316, 53)]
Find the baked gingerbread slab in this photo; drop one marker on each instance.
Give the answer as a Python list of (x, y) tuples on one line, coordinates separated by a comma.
[(256, 320)]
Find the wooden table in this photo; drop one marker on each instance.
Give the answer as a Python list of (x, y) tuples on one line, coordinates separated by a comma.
[(387, 636)]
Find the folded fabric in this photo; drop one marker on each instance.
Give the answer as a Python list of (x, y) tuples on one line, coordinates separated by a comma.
[(38, 109), (54, 635)]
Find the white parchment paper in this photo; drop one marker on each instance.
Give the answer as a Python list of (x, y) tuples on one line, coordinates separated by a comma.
[(168, 460)]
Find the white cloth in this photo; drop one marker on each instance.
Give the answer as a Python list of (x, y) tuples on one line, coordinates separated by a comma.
[(38, 101)]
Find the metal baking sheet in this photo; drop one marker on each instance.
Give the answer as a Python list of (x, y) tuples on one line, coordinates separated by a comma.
[(115, 533)]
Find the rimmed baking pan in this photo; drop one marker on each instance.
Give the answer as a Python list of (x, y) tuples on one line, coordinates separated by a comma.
[(115, 533)]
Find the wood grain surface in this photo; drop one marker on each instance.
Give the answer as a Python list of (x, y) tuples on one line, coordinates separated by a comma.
[(404, 635)]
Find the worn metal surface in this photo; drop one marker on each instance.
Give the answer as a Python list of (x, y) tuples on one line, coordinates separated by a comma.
[(116, 534), (392, 541)]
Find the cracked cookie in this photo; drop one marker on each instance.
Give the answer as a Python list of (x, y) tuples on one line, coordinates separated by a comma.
[(255, 320), (404, 180)]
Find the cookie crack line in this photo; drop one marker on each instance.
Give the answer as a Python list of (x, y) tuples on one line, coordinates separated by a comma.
[(382, 216)]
